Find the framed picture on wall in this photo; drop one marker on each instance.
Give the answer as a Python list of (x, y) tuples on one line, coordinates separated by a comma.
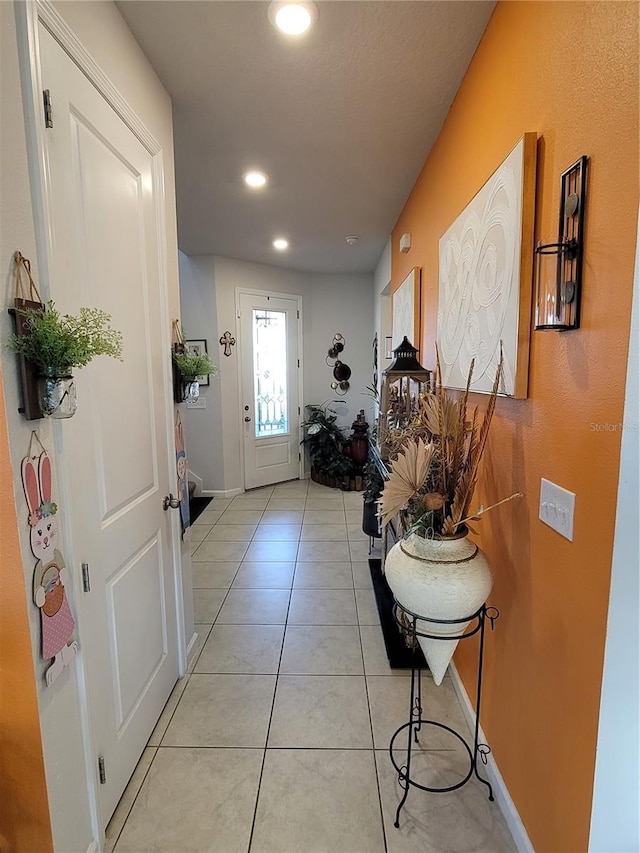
[(198, 348), (485, 279), (406, 302)]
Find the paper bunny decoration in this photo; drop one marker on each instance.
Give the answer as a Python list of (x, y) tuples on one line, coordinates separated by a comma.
[(50, 575), (181, 468)]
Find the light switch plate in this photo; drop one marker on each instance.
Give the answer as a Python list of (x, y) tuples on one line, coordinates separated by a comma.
[(557, 507), (200, 403)]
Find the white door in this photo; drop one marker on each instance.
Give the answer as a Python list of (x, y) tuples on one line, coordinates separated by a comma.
[(105, 214), (270, 388)]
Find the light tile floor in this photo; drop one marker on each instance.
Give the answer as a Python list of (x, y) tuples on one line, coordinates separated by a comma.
[(277, 739)]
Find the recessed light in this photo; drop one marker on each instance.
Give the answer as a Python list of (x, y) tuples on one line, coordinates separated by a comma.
[(255, 179), (293, 19), (280, 244)]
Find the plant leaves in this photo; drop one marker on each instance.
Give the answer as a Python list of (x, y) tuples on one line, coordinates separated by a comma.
[(407, 476)]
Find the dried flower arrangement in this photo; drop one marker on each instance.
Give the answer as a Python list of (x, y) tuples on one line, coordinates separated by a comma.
[(433, 478)]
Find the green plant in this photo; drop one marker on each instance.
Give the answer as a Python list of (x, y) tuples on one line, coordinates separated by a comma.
[(325, 442), (55, 343), (191, 365), (372, 391), (374, 480)]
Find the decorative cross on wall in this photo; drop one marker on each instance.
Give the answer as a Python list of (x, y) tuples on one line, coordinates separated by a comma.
[(227, 341)]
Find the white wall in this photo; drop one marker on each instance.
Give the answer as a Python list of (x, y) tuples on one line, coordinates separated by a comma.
[(69, 768), (330, 304), (382, 304), (199, 314), (616, 793)]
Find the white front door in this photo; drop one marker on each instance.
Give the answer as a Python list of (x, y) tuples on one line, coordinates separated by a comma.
[(105, 213), (270, 393)]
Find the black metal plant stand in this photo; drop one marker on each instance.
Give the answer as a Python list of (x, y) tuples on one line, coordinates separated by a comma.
[(416, 721)]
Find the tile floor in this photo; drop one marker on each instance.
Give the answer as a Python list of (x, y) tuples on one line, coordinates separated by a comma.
[(277, 739)]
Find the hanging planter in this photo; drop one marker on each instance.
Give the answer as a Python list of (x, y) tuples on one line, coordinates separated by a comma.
[(53, 344), (57, 396), (443, 579), (190, 391), (189, 367)]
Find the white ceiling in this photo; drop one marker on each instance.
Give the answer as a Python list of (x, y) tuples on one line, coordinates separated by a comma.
[(341, 119)]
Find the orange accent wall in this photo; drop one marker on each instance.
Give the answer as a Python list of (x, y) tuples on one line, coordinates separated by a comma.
[(24, 815), (568, 71)]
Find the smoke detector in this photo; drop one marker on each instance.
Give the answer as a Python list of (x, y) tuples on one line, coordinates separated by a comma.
[(352, 239)]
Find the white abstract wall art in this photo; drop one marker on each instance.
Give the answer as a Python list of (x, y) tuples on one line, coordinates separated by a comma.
[(485, 279), (406, 310)]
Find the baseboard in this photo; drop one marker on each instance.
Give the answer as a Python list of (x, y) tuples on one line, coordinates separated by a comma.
[(500, 790), (220, 493), (193, 478)]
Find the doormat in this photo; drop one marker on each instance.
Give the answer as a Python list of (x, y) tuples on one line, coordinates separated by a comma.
[(400, 657), (197, 506)]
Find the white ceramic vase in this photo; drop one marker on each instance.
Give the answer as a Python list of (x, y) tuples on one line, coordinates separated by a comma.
[(446, 578)]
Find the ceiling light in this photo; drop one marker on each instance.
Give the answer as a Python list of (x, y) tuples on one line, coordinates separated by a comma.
[(293, 19), (280, 244), (254, 179), (352, 239)]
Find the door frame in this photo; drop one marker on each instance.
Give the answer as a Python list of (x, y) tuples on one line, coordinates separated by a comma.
[(294, 297), (29, 15)]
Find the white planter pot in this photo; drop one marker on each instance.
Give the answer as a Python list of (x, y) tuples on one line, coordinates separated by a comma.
[(438, 579)]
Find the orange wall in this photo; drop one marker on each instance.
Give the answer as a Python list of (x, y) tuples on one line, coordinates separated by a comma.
[(24, 814), (568, 71)]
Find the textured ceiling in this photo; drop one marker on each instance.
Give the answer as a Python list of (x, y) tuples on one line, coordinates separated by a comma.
[(341, 120)]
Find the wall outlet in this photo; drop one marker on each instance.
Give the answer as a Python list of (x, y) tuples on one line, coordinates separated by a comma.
[(200, 403), (557, 507)]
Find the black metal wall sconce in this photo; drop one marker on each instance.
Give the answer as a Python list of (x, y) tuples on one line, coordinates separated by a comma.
[(559, 264), (341, 371)]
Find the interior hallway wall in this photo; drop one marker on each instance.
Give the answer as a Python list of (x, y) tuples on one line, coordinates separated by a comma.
[(203, 427), (382, 306), (330, 303), (568, 71), (24, 817), (106, 37), (616, 794)]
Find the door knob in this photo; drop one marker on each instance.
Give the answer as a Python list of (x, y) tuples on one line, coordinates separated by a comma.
[(170, 501), (247, 419)]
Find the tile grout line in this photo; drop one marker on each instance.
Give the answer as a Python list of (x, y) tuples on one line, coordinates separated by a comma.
[(273, 705), (133, 802), (373, 741)]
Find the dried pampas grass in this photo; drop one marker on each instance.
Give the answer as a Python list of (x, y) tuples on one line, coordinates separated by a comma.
[(438, 459)]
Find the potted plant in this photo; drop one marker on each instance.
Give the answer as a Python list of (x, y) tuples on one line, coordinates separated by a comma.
[(374, 484), (325, 443), (55, 343), (435, 570), (191, 365)]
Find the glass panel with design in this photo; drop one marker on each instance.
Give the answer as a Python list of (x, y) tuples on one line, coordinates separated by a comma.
[(270, 372)]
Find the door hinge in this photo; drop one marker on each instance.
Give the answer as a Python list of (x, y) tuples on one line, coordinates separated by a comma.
[(298, 362), (86, 580), (298, 314), (102, 773), (299, 457), (48, 113), (299, 412)]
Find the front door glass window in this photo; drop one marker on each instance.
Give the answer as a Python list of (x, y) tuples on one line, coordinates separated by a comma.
[(270, 372)]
